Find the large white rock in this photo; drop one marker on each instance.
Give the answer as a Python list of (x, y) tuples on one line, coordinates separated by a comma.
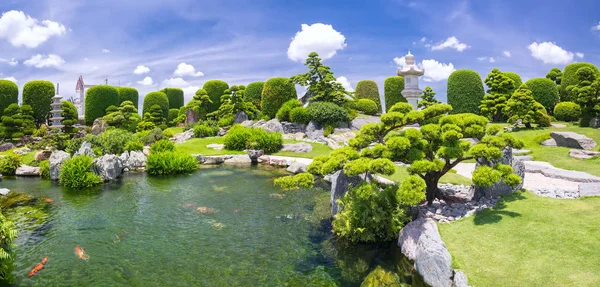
[(133, 160), (4, 191), (56, 160), (25, 170), (184, 136), (273, 126), (108, 167), (297, 167), (85, 149), (297, 147)]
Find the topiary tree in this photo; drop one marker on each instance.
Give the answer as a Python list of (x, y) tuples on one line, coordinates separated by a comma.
[(215, 89), (125, 117), (156, 98), (428, 98), (232, 102), (200, 103), (254, 93), (175, 97), (367, 89), (155, 115), (17, 121), (392, 91), (567, 111), (570, 78), (38, 95), (320, 82), (465, 91), (283, 114), (366, 106), (522, 107), (499, 87), (129, 94), (9, 94), (544, 92), (588, 94), (516, 78), (97, 100), (276, 92), (70, 115), (555, 75)]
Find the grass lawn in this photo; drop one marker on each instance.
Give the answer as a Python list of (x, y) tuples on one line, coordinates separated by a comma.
[(450, 177), (25, 159), (198, 146), (175, 130), (529, 240)]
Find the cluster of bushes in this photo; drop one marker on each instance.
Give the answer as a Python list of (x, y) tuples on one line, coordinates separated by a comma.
[(9, 164), (165, 160), (76, 172), (206, 129), (239, 137)]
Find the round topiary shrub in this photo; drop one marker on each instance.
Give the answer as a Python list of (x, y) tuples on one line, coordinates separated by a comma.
[(38, 95), (9, 94), (299, 115), (544, 92), (366, 106), (325, 113), (254, 93), (567, 111), (465, 91), (215, 89), (97, 100), (392, 91), (283, 114), (204, 130), (367, 89), (129, 94), (570, 78), (276, 92), (156, 98), (516, 78), (175, 97)]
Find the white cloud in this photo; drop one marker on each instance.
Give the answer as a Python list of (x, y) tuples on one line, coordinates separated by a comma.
[(140, 70), (453, 43), (597, 27), (507, 54), (11, 62), (400, 61), (550, 53), (492, 60), (345, 83), (184, 69), (579, 55), (423, 39), (190, 91), (147, 81), (105, 51), (175, 82), (23, 30), (40, 61), (436, 71), (10, 79), (318, 37), (482, 58)]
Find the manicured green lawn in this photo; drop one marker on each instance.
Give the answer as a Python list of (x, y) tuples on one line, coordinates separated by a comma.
[(451, 177), (198, 146), (25, 159), (529, 241), (175, 130)]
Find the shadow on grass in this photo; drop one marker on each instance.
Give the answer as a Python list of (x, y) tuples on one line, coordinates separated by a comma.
[(495, 214)]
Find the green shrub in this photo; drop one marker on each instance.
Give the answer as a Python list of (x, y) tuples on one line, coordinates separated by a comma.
[(168, 133), (9, 164), (392, 91), (215, 89), (45, 169), (366, 106), (542, 137), (204, 130), (75, 173), (17, 122), (325, 113), (38, 95), (275, 93), (254, 93), (129, 94), (9, 94), (516, 78), (226, 121), (567, 111), (145, 126), (170, 162), (173, 114), (97, 100), (70, 115), (367, 89), (150, 137), (8, 232), (304, 180), (156, 98), (162, 145), (300, 115), (175, 97), (570, 78), (241, 138), (113, 140), (544, 92), (465, 91), (283, 115), (134, 145)]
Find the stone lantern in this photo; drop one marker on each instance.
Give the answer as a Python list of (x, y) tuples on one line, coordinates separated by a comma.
[(411, 74), (56, 111)]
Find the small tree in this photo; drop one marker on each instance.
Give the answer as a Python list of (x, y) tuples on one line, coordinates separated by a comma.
[(498, 93), (70, 115), (200, 103), (428, 98), (155, 115), (232, 102), (322, 85), (588, 94), (125, 116), (522, 107), (555, 75)]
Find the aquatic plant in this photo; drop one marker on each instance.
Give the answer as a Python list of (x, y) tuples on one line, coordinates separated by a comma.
[(170, 162), (75, 173)]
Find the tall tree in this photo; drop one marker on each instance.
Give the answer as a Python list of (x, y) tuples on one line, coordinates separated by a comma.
[(322, 85), (588, 94), (499, 87)]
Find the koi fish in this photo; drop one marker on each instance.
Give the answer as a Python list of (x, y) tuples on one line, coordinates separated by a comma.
[(81, 253), (205, 210), (38, 267), (49, 200)]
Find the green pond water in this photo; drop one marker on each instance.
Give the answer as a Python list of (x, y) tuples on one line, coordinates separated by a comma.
[(147, 231)]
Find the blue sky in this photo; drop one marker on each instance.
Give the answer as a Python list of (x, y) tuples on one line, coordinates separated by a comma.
[(184, 43)]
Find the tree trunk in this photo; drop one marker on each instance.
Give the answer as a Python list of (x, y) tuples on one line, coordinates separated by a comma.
[(497, 117), (528, 125), (432, 191)]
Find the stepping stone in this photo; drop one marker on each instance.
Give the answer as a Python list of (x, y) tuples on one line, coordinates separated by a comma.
[(549, 143), (583, 154), (589, 189), (559, 126)]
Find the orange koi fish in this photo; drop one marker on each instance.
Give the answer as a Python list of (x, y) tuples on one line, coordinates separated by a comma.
[(49, 200), (206, 210), (81, 253), (38, 267)]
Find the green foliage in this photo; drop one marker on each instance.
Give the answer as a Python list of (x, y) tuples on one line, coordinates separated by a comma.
[(45, 169), (381, 277), (9, 94), (283, 114), (275, 93), (486, 176), (322, 85), (155, 115), (170, 162), (226, 121), (254, 93), (129, 94), (173, 114), (367, 89), (151, 136), (570, 78), (134, 145), (156, 98), (588, 94), (70, 115), (9, 164), (522, 107), (304, 180), (326, 113), (499, 91), (392, 91), (200, 104), (555, 75), (8, 232), (465, 91), (204, 130), (17, 122), (124, 117), (145, 126), (75, 173), (544, 92), (366, 106), (38, 95), (567, 111), (113, 141), (97, 100), (428, 98), (175, 97), (240, 138), (162, 146), (516, 79), (215, 89), (300, 115), (232, 102)]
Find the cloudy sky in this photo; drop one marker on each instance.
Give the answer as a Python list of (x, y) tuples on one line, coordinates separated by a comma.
[(153, 44)]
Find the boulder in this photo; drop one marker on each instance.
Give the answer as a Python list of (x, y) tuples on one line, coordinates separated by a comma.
[(420, 242), (6, 146), (573, 140), (297, 167), (313, 131), (362, 120), (56, 160), (292, 128), (340, 184), (22, 151), (184, 136), (460, 279), (240, 117), (255, 154), (238, 159), (210, 159), (85, 149), (25, 170), (297, 147), (4, 191), (80, 134), (342, 137), (108, 167), (42, 155), (500, 188), (133, 160), (190, 117), (595, 123), (549, 142), (216, 146), (273, 126), (589, 189), (223, 131), (583, 154), (294, 136), (99, 126)]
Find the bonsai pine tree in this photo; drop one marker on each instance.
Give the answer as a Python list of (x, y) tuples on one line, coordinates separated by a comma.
[(428, 98), (154, 115), (125, 116), (232, 102), (499, 87), (588, 94), (522, 106), (70, 115), (200, 103), (320, 81)]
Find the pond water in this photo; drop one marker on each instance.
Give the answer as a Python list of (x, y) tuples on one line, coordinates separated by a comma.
[(221, 226)]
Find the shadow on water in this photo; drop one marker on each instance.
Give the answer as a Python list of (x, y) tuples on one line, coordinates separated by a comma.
[(495, 214)]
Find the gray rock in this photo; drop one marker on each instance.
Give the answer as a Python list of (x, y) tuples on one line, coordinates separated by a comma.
[(251, 123), (340, 184), (313, 131), (559, 126), (549, 142), (6, 146), (42, 155), (589, 189), (553, 172), (573, 140), (460, 279), (273, 126), (85, 149), (133, 160), (255, 154), (25, 170), (292, 128), (190, 117), (4, 191), (500, 188), (472, 141), (99, 126), (216, 146), (238, 159), (56, 160), (523, 158), (108, 167), (184, 136), (595, 122), (297, 167), (342, 137), (22, 151), (297, 147), (210, 159), (240, 117), (583, 154), (359, 122)]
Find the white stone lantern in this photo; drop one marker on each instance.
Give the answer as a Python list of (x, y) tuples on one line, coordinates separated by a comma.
[(56, 111), (411, 74)]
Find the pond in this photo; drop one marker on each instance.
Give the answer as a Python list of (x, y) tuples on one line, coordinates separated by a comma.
[(222, 226)]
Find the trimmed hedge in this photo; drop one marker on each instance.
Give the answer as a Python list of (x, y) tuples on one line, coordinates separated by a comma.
[(129, 94), (392, 91), (9, 94), (544, 92), (38, 95), (299, 115), (215, 89), (276, 92), (253, 93), (516, 78), (567, 111), (326, 113), (367, 89), (175, 97), (283, 114), (570, 78), (156, 98), (465, 91), (367, 106), (97, 99)]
